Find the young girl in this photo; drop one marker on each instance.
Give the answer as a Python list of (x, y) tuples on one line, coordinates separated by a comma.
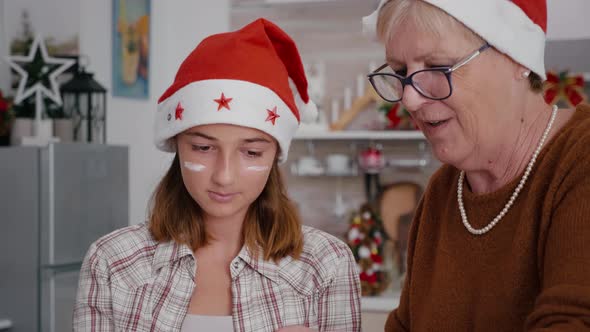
[(224, 249)]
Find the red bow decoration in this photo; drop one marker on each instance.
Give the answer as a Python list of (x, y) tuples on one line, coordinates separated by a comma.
[(393, 117), (397, 116), (564, 87)]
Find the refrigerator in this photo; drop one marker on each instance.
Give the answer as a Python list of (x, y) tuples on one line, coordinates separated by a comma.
[(54, 202)]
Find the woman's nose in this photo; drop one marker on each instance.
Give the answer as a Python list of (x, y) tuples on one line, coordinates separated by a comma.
[(412, 99)]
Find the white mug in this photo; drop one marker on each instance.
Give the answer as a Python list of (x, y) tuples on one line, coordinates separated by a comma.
[(338, 163)]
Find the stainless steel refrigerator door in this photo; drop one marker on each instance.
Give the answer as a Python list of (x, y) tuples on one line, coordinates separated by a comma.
[(87, 197), (59, 288), (19, 237)]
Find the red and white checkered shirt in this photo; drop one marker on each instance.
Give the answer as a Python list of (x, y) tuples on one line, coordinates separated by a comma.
[(129, 282)]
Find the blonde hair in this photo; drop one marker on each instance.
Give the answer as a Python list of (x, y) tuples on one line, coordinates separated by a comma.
[(432, 19), (272, 222)]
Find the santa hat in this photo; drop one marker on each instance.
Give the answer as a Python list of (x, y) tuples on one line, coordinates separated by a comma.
[(252, 77), (516, 28)]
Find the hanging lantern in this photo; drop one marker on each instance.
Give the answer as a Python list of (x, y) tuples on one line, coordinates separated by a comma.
[(84, 100)]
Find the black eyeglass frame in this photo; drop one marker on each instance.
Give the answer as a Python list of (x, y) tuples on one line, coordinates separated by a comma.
[(447, 71)]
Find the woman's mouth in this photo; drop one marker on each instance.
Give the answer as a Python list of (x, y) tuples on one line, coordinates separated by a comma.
[(436, 123), (435, 128)]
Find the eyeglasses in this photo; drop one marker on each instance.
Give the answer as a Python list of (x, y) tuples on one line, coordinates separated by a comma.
[(432, 83)]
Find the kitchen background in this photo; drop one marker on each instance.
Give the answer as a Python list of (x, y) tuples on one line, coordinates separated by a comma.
[(328, 172)]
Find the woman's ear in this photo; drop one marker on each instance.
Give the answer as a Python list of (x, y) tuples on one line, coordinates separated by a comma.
[(521, 72)]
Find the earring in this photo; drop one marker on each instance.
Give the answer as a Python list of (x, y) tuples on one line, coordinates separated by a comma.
[(525, 74)]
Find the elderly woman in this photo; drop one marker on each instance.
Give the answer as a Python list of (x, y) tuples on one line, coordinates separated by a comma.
[(501, 238)]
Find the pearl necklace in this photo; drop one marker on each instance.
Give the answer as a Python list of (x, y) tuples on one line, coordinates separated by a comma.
[(514, 194)]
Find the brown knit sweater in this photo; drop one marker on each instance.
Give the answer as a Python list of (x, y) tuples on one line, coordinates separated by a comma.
[(531, 272)]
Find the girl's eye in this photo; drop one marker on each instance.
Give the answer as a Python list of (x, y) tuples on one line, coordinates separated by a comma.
[(201, 148), (253, 154)]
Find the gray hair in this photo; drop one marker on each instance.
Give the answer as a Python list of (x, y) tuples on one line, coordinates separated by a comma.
[(396, 13)]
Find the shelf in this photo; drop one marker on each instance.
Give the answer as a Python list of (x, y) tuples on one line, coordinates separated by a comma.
[(364, 134), (382, 303)]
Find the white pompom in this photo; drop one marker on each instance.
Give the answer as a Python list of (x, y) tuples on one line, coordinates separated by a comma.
[(370, 23), (309, 112), (353, 234), (364, 252)]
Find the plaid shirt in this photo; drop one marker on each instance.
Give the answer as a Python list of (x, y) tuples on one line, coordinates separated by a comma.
[(129, 282)]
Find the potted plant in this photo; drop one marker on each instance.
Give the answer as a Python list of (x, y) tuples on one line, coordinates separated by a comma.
[(24, 114), (24, 123), (6, 119)]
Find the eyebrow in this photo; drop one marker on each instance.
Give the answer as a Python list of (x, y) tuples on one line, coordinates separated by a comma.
[(422, 58), (257, 140), (211, 138), (198, 134)]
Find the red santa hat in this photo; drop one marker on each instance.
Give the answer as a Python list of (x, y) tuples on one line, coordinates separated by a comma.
[(514, 27), (252, 77)]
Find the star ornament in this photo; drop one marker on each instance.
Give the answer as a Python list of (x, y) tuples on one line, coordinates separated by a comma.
[(178, 112), (223, 102), (272, 115), (52, 67)]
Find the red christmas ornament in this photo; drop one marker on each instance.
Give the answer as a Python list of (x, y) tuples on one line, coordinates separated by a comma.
[(378, 239), (376, 258), (372, 160), (363, 276), (371, 278)]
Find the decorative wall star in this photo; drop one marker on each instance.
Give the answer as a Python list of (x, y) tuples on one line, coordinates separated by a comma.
[(52, 68), (223, 102)]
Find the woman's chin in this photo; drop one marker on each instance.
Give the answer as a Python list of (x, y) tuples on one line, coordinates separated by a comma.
[(444, 153)]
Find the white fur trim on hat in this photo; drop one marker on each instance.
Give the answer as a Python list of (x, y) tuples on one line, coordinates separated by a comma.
[(248, 108), (501, 23)]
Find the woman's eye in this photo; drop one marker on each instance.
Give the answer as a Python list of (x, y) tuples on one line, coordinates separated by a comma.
[(201, 148), (401, 71), (438, 66)]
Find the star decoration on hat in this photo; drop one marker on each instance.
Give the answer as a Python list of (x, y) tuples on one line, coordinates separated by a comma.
[(178, 112), (272, 115), (45, 82), (223, 102)]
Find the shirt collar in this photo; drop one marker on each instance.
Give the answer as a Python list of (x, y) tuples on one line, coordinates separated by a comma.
[(268, 269), (169, 252)]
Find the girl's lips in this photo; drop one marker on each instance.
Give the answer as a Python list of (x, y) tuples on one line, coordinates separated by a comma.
[(221, 197)]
